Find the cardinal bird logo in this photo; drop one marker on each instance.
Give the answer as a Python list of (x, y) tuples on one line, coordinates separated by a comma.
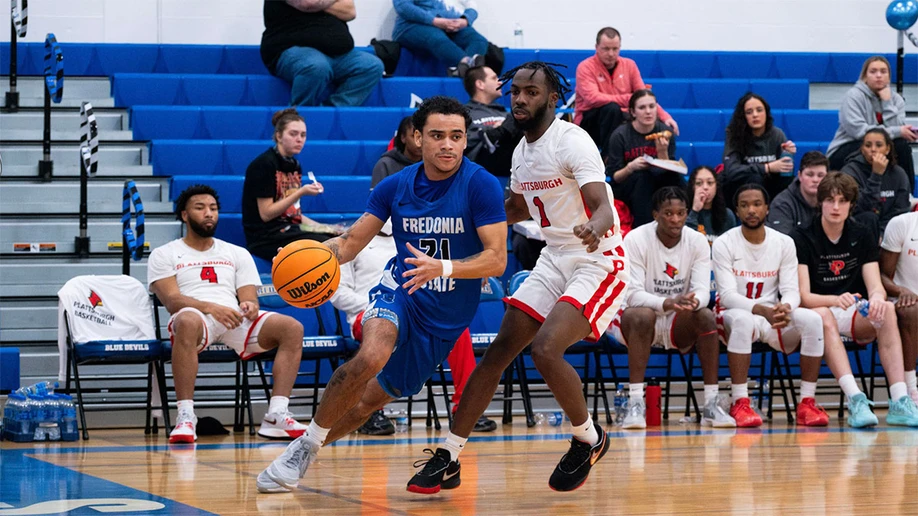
[(837, 266), (671, 271), (94, 299)]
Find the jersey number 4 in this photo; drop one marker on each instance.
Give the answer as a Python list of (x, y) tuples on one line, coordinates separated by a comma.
[(430, 247), (544, 222), (209, 274), (754, 290)]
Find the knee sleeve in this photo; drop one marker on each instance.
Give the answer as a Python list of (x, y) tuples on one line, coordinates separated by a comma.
[(809, 324), (740, 325)]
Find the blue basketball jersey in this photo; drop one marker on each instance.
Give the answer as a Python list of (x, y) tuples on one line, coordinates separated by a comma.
[(445, 230)]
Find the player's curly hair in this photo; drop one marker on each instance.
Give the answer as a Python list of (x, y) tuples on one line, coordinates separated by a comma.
[(668, 193), (182, 202), (555, 81)]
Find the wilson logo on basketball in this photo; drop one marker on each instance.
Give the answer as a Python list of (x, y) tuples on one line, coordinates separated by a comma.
[(307, 287), (94, 299), (671, 271), (837, 266)]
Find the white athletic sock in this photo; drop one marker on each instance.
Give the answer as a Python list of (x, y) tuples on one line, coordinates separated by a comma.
[(186, 406), (586, 432), (897, 391), (911, 381), (278, 404), (807, 389), (316, 433), (849, 385), (710, 393), (739, 391), (636, 391), (454, 445)]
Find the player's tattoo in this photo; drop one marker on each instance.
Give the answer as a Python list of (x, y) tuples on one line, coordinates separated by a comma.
[(338, 378)]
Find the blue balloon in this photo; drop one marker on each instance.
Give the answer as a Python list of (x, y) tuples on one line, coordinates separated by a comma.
[(902, 14)]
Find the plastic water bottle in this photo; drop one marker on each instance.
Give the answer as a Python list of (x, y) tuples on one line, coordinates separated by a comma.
[(549, 418), (863, 308), (517, 36), (21, 428), (787, 154), (401, 422), (68, 419), (40, 388), (54, 417), (40, 417), (620, 404), (654, 410)]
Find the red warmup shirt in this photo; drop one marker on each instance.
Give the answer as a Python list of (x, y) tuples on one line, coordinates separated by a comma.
[(595, 87)]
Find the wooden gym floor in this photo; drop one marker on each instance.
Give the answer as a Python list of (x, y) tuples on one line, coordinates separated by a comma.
[(676, 469)]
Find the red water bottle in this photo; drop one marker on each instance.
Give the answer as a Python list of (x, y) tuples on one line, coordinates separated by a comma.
[(653, 395)]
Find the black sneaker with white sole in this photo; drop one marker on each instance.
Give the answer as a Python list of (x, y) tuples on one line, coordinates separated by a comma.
[(439, 473), (575, 466), (378, 424)]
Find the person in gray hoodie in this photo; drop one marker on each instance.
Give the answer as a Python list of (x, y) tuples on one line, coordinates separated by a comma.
[(869, 104), (406, 152), (883, 185), (795, 206)]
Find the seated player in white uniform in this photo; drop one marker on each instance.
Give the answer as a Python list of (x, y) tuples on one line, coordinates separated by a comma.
[(209, 287), (759, 300), (666, 304), (899, 268), (837, 265)]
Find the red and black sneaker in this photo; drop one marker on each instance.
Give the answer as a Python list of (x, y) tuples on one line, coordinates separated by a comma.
[(575, 466), (439, 472)]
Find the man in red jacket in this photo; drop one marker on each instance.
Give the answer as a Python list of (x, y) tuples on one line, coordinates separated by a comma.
[(604, 85)]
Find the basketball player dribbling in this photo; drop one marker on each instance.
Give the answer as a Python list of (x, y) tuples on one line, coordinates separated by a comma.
[(450, 231), (572, 293)]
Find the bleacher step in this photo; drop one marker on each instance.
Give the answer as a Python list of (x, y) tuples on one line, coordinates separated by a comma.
[(65, 119), (73, 171), (65, 136), (65, 191), (61, 233), (122, 154), (107, 207), (76, 90)]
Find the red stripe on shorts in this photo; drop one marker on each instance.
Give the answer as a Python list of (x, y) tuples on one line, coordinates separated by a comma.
[(528, 310)]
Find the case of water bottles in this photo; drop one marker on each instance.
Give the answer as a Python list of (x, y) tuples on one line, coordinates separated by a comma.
[(37, 413)]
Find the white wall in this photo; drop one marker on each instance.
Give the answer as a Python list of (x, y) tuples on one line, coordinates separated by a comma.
[(764, 25)]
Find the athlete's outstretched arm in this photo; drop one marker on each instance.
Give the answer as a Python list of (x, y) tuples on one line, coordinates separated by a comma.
[(602, 219), (516, 208), (348, 244), (490, 262)]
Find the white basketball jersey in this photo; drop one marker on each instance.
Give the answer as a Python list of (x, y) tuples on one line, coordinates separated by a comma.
[(549, 173), (213, 275), (748, 274), (901, 237), (659, 272)]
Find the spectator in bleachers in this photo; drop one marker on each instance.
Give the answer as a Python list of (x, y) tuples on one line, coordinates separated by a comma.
[(883, 187), (709, 214), (837, 264), (308, 44), (406, 152), (442, 29), (634, 179), (872, 103), (796, 205), (605, 83), (493, 134), (899, 269), (209, 287), (358, 277), (753, 150), (273, 187)]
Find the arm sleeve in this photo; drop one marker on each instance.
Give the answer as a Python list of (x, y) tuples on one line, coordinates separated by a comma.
[(615, 154), (701, 270), (158, 266), (725, 279), (380, 202), (637, 296), (869, 198), (851, 117), (262, 185), (901, 203), (894, 109), (246, 272), (738, 172), (347, 299), (580, 155), (470, 13), (780, 217), (788, 282), (587, 90), (672, 147), (893, 237), (872, 252), (410, 11), (486, 198), (804, 254), (379, 173)]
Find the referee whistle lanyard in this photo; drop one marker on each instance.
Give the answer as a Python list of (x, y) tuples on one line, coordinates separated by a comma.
[(134, 243)]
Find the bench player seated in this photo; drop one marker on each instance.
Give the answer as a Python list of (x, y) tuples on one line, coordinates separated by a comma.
[(899, 268), (667, 301), (209, 287), (755, 268)]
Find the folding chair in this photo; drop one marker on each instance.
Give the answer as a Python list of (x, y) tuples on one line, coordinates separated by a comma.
[(108, 320)]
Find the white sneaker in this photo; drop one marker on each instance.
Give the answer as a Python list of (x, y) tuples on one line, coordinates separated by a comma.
[(291, 465), (185, 428), (266, 485), (636, 418), (715, 416), (280, 425)]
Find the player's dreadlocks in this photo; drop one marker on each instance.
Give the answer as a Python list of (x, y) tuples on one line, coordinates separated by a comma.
[(556, 82)]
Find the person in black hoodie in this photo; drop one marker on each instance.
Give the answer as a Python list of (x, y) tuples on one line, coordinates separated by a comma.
[(795, 206), (754, 149), (273, 187), (882, 183), (406, 152), (493, 134)]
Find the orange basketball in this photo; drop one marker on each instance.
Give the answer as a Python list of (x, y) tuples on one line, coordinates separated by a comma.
[(305, 273)]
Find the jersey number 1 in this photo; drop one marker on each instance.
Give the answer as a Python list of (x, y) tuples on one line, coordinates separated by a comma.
[(541, 206), (754, 290), (209, 274)]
